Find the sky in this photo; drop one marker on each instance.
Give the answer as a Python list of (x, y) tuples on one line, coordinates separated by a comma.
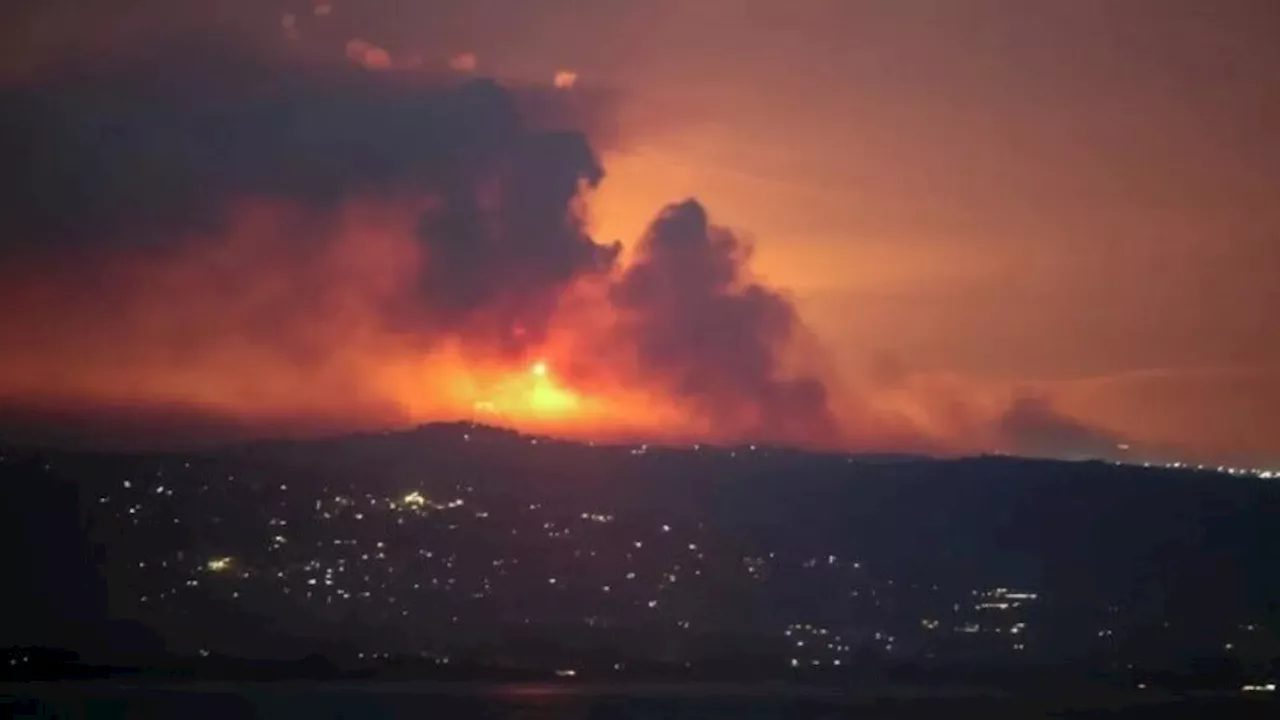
[(1040, 226)]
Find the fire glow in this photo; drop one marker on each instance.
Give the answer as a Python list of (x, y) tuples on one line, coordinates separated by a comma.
[(423, 253), (252, 325)]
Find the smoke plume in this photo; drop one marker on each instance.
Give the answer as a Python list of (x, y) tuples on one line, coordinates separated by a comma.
[(197, 227), (713, 335), (276, 244)]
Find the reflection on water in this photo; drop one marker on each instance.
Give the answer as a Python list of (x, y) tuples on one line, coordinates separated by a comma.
[(567, 702)]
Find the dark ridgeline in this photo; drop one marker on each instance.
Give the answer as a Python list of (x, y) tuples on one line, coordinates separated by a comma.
[(461, 551)]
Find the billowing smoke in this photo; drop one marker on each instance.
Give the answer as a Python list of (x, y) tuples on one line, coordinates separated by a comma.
[(193, 232), (148, 151), (197, 216), (712, 334), (1031, 425)]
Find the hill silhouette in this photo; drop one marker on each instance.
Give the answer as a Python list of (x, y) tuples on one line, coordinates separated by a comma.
[(540, 532)]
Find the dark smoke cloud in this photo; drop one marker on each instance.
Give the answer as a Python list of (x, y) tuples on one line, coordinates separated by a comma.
[(712, 334), (1032, 426), (114, 168), (158, 146), (134, 156), (513, 246)]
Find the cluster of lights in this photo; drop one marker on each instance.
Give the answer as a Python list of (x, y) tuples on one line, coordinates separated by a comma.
[(1003, 599), (820, 645), (304, 575), (416, 500), (1225, 469)]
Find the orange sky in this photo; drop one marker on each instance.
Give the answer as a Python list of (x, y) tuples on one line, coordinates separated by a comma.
[(1075, 197)]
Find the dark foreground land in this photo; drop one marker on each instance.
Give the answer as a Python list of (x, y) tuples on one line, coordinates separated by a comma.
[(453, 571), (547, 701)]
